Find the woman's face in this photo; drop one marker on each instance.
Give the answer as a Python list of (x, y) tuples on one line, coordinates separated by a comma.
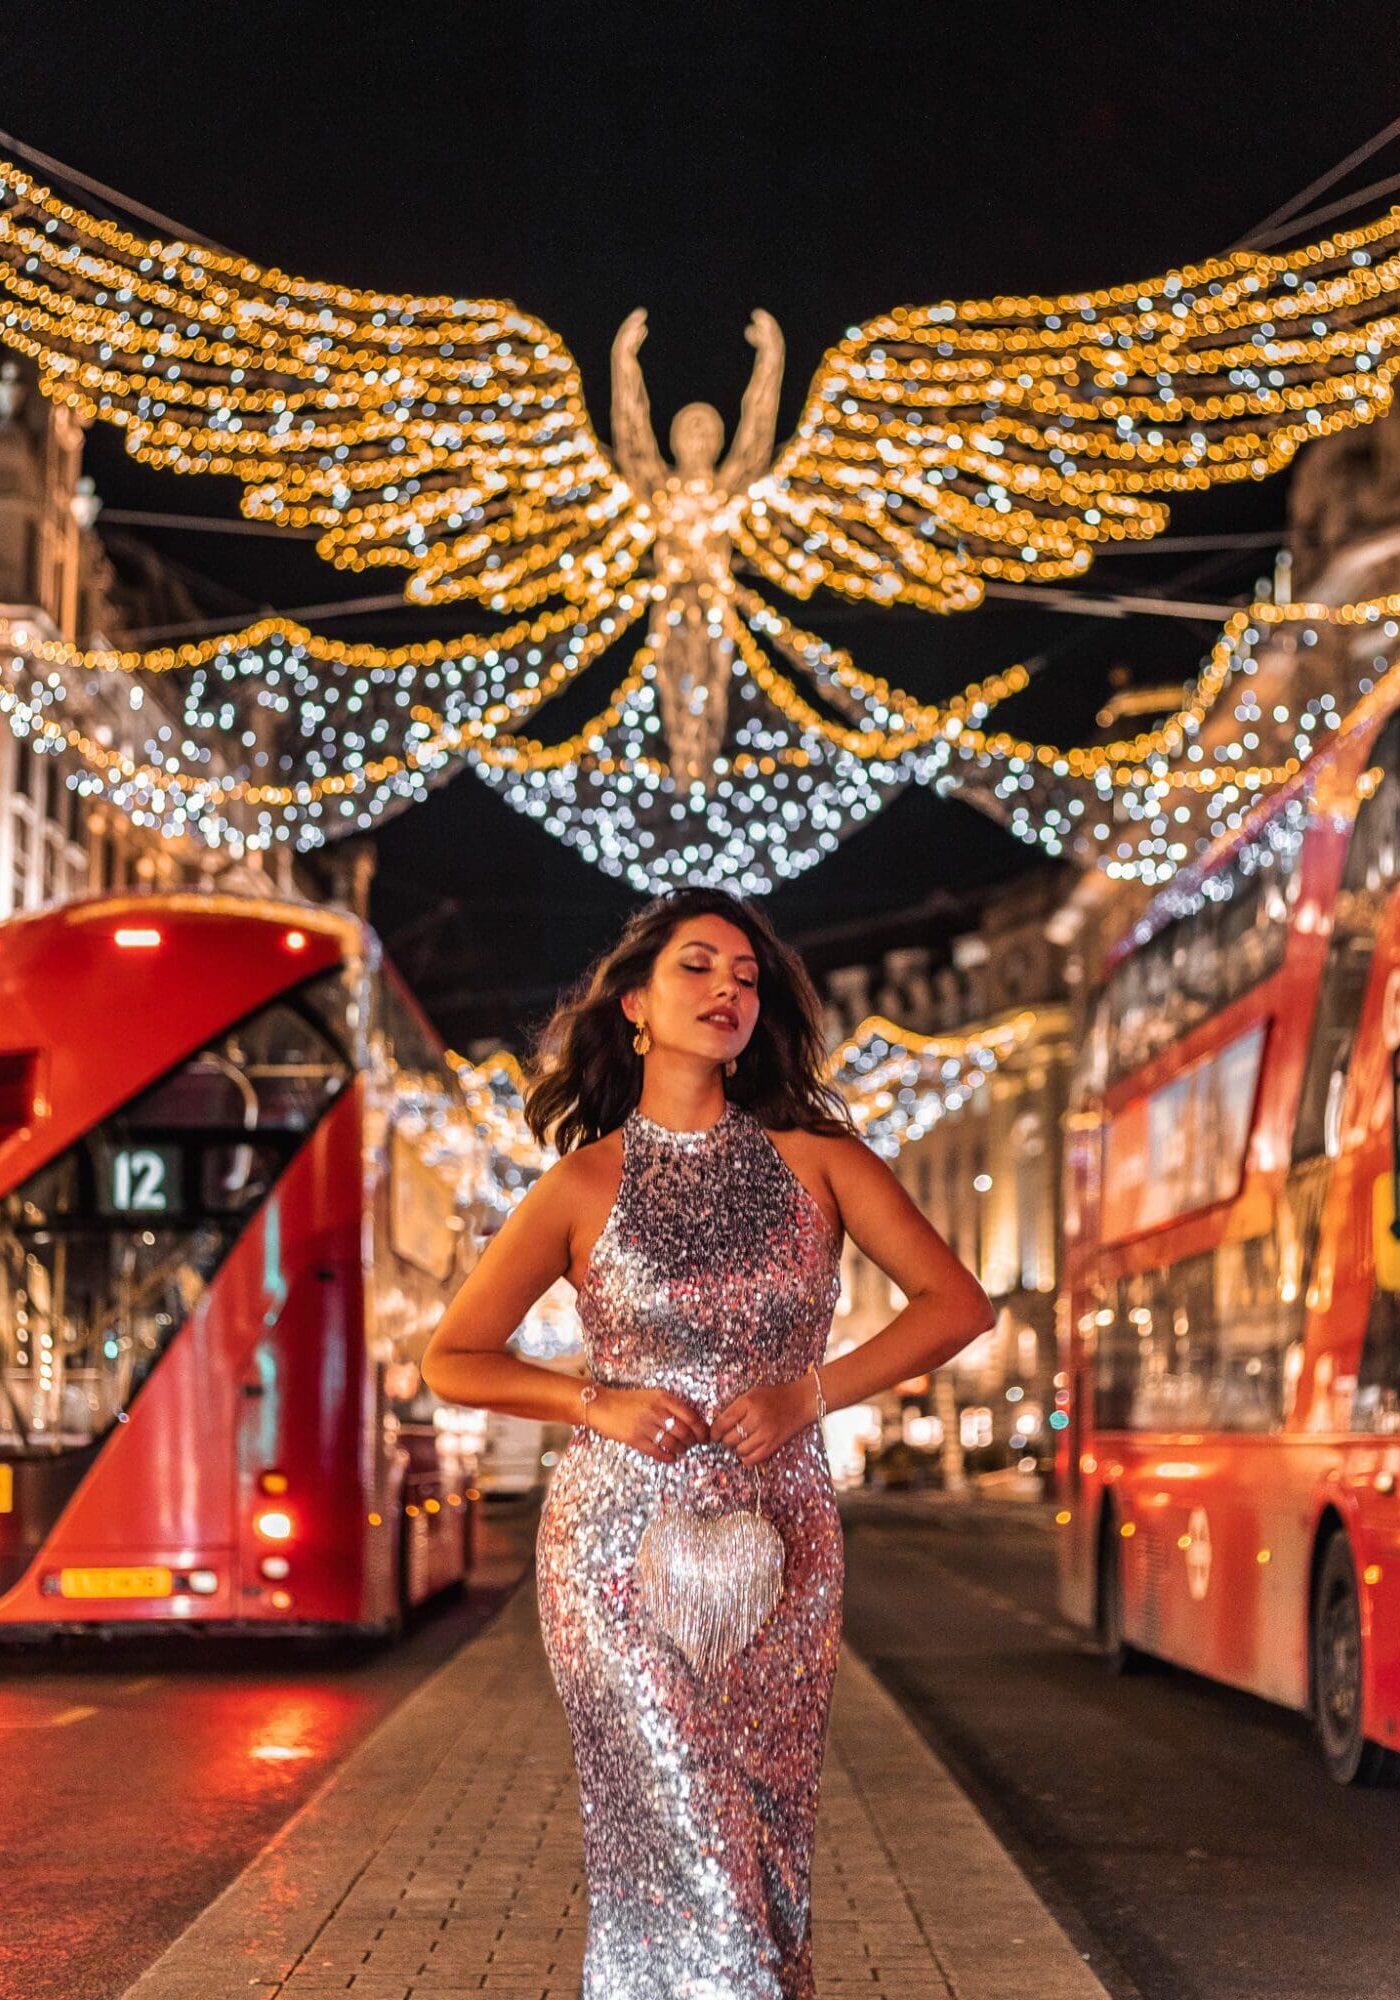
[(702, 998)]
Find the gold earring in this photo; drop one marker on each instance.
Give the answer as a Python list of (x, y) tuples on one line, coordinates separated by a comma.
[(731, 1065), (641, 1039)]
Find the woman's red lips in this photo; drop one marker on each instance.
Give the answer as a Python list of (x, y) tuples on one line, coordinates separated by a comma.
[(721, 1017)]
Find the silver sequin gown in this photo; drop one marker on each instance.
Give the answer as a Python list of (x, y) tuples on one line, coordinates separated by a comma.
[(716, 1270)]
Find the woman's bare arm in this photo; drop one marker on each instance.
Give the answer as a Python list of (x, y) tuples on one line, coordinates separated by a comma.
[(465, 1361), (947, 1306)]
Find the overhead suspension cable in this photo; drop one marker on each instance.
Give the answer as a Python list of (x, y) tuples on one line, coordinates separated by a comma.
[(1288, 212), (115, 199)]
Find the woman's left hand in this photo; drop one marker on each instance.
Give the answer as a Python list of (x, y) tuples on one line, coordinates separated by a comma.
[(770, 1413)]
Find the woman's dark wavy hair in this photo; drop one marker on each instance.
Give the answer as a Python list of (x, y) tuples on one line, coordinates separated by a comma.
[(586, 1076)]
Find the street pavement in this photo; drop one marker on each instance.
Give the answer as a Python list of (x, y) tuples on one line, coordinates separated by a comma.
[(445, 1859)]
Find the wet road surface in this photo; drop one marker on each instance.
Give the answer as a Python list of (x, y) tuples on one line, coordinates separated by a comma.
[(1184, 1834)]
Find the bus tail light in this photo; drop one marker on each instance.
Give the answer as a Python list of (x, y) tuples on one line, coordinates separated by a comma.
[(272, 1482), (275, 1568), (273, 1525)]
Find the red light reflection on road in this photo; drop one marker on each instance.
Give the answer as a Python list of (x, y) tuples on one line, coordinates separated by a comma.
[(254, 1732), (305, 1727)]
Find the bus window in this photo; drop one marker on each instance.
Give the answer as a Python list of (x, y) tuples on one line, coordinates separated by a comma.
[(1195, 1345), (425, 1228), (1367, 880), (406, 1042), (1228, 937), (1254, 1335), (1154, 1358), (105, 1251), (1375, 1406), (1193, 974), (1300, 1228), (1090, 1075)]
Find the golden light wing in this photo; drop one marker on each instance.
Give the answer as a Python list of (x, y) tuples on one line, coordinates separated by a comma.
[(446, 436), (944, 445)]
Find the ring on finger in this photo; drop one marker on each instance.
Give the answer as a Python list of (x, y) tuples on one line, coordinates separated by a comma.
[(670, 1424), (742, 1432)]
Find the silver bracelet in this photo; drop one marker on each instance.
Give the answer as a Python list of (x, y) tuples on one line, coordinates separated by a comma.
[(587, 1394), (821, 1394)]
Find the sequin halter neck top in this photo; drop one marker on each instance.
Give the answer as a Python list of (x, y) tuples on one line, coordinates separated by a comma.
[(715, 1271)]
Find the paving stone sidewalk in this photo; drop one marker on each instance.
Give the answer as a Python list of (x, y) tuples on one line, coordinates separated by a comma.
[(444, 1859)]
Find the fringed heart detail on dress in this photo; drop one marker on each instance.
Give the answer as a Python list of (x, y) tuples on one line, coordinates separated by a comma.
[(710, 1580)]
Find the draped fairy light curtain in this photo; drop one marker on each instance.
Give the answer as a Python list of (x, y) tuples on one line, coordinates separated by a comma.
[(939, 448), (1145, 807)]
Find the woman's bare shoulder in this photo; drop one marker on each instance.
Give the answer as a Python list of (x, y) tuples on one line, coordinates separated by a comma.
[(847, 1164), (579, 1175), (599, 1156), (821, 1150)]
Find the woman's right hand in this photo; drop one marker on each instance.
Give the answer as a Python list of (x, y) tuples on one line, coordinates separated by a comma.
[(634, 1416)]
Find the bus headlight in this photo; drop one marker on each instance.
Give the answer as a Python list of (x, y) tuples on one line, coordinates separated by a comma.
[(274, 1568), (203, 1582), (273, 1525)]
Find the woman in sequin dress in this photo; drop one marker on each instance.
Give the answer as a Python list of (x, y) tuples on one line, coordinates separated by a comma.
[(706, 1179)]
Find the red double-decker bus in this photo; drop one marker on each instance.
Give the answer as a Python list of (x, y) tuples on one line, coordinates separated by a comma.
[(1230, 1475), (227, 1225)]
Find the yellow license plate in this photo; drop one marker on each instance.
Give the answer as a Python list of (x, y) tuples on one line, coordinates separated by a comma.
[(7, 1489), (152, 1582)]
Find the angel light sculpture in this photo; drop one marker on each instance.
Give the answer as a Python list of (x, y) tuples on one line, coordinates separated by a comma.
[(695, 511), (940, 447)]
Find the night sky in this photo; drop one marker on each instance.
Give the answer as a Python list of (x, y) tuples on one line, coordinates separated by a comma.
[(825, 162)]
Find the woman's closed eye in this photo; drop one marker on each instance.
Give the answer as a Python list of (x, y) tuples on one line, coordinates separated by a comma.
[(751, 984)]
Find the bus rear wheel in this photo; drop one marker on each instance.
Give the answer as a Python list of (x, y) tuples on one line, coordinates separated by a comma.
[(1338, 1675)]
